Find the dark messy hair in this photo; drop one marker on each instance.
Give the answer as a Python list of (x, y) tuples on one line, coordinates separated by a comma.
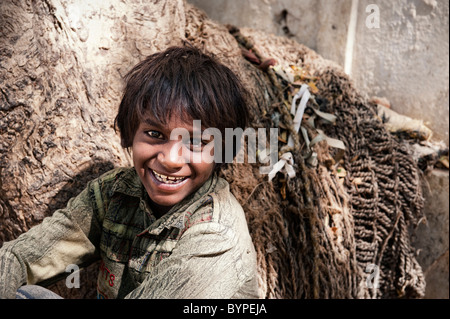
[(185, 82)]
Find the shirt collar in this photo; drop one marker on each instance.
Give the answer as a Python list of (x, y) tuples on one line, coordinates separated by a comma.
[(175, 217), (128, 183)]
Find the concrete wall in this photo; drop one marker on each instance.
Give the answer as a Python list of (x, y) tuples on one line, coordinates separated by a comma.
[(405, 59), (395, 49), (431, 238)]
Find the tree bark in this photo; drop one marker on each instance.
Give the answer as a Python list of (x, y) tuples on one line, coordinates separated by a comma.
[(61, 69), (61, 72)]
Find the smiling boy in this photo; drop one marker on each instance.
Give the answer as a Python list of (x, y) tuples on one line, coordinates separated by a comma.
[(168, 227), (167, 176)]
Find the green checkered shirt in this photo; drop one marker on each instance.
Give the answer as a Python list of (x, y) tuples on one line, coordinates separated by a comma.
[(201, 248)]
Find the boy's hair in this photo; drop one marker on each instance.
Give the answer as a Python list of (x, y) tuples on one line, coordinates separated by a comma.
[(185, 82)]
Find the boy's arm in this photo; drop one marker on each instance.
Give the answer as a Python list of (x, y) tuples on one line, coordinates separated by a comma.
[(206, 263), (48, 248), (10, 274)]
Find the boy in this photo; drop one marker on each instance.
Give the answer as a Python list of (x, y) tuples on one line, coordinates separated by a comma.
[(169, 227)]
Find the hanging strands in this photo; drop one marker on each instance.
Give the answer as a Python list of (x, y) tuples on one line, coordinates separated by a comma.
[(343, 220), (319, 244), (316, 234)]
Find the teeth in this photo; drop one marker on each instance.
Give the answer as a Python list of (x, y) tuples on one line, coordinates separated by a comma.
[(167, 179)]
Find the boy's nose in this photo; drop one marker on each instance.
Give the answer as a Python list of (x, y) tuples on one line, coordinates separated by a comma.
[(173, 156)]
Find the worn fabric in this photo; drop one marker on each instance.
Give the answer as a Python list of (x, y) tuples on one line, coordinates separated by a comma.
[(35, 292), (201, 248)]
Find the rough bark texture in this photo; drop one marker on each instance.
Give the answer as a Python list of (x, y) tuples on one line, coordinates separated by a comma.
[(61, 68), (61, 74)]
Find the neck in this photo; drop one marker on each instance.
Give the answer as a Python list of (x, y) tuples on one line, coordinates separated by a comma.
[(159, 210)]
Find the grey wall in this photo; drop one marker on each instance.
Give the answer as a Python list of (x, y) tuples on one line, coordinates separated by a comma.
[(404, 60)]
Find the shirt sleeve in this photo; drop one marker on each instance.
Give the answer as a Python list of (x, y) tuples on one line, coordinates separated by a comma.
[(47, 249), (206, 263)]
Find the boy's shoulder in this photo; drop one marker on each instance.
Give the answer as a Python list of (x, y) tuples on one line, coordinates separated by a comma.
[(116, 173), (226, 209), (213, 204)]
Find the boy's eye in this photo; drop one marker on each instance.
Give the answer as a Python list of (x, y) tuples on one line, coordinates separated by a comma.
[(154, 134)]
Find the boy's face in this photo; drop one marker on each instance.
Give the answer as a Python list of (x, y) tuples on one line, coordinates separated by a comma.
[(165, 165)]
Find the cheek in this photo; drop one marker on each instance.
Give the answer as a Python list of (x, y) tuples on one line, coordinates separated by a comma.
[(141, 152), (205, 170)]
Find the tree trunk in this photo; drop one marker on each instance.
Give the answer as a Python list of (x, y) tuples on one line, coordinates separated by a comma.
[(61, 77)]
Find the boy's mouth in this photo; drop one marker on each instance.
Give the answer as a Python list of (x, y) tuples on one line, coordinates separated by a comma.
[(168, 179)]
